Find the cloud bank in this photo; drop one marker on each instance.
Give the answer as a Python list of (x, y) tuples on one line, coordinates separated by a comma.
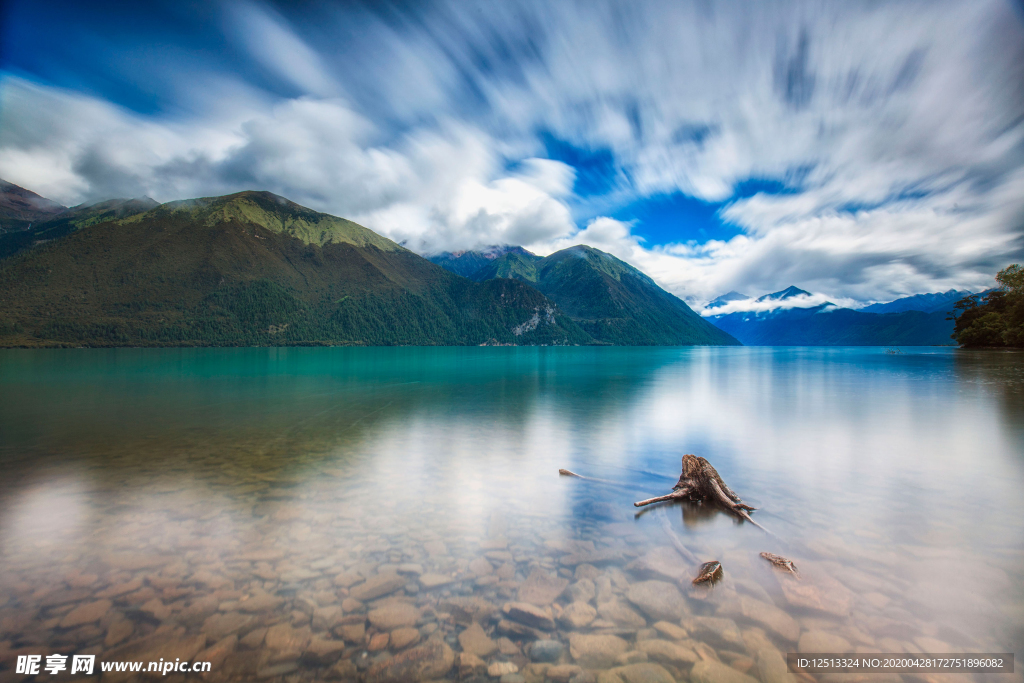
[(893, 132)]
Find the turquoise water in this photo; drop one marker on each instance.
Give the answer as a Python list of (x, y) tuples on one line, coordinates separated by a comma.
[(899, 476)]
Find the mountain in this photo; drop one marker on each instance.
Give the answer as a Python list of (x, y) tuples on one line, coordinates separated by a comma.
[(612, 301), (726, 298), (827, 325), (937, 301), (467, 263), (787, 293), (521, 265), (72, 219), (19, 208), (255, 269)]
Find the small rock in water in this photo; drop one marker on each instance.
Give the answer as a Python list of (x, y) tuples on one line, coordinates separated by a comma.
[(660, 563), (430, 660), (718, 631), (429, 581), (659, 600), (530, 615), (402, 638), (498, 669), (475, 641), (118, 632), (86, 614), (667, 653), (595, 651), (394, 616), (771, 667), (481, 567), (578, 614), (710, 671), (582, 591), (619, 612), (377, 586), (822, 593), (637, 673), (378, 642), (822, 641), (546, 651), (540, 588), (768, 616), (563, 673), (470, 664)]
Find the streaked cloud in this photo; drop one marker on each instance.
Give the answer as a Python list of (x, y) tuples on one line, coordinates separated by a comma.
[(894, 131)]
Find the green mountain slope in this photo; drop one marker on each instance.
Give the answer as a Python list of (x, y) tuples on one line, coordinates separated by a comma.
[(255, 269), (612, 301), (68, 221), (468, 263), (519, 265)]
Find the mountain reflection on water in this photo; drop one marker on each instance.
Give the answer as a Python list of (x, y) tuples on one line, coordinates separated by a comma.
[(233, 504)]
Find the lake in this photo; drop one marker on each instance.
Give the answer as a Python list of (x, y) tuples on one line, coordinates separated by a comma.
[(309, 513)]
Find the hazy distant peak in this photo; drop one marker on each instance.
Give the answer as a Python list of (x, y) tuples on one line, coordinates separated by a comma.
[(726, 298), (18, 204), (787, 293), (920, 302)]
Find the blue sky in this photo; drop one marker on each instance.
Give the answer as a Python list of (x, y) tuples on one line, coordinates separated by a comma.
[(861, 151)]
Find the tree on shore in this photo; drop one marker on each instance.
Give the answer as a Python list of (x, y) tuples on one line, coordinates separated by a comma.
[(998, 319)]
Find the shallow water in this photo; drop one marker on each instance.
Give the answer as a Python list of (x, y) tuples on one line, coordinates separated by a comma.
[(155, 503)]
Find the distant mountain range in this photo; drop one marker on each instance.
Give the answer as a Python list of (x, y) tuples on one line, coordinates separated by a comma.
[(612, 301), (927, 303), (253, 268), (913, 321)]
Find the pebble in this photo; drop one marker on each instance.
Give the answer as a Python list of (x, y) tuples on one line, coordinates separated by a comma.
[(498, 669), (666, 652), (475, 641), (541, 588), (431, 660), (822, 641), (659, 600), (377, 586), (404, 637), (394, 616), (706, 671), (637, 673), (596, 651), (86, 614), (578, 614), (546, 650), (768, 616), (530, 615)]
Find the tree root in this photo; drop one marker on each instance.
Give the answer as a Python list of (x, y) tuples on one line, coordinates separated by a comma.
[(700, 481), (674, 538)]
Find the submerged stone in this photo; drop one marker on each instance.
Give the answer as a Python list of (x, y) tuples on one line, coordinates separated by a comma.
[(596, 651), (546, 650), (431, 660)]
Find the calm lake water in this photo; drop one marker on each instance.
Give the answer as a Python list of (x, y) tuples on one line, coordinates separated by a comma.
[(298, 514)]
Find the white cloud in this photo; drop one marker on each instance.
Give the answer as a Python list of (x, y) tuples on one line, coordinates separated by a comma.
[(895, 126), (752, 305)]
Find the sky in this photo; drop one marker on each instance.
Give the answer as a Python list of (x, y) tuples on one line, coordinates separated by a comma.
[(859, 150)]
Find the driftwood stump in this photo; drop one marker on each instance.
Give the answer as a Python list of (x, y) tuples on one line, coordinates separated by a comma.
[(701, 482)]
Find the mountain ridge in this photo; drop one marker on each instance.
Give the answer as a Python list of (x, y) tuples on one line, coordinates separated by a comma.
[(19, 207), (254, 269), (826, 324), (612, 301)]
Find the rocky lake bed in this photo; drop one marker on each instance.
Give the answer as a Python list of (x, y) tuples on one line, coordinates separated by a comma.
[(411, 533)]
